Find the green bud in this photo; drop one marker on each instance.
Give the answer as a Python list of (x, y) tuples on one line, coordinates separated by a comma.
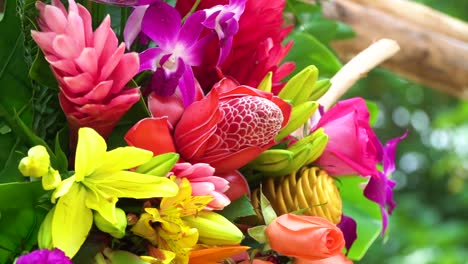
[(301, 85), (320, 88), (117, 229), (214, 229), (44, 236), (159, 165), (266, 83), (36, 164)]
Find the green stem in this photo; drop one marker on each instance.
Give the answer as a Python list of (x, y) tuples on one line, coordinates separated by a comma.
[(194, 7)]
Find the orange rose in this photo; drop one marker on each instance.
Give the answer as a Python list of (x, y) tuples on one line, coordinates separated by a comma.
[(305, 237), (338, 259)]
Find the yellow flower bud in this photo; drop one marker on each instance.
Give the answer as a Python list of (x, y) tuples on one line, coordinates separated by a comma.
[(214, 229), (51, 180), (117, 229), (36, 164)]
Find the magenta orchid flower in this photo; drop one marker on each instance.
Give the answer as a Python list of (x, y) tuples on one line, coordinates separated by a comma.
[(380, 189), (224, 20), (179, 48)]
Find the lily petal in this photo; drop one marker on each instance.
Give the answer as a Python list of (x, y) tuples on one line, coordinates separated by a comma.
[(122, 158), (133, 185), (72, 221), (89, 152)]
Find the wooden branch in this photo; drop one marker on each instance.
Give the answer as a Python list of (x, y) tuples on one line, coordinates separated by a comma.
[(431, 55), (358, 67)]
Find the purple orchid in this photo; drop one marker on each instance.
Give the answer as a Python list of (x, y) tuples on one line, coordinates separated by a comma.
[(349, 228), (380, 189), (224, 20), (179, 48)]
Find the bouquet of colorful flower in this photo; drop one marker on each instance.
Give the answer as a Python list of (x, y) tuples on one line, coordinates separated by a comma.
[(173, 132)]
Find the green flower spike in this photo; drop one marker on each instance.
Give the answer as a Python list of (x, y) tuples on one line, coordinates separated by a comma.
[(100, 179)]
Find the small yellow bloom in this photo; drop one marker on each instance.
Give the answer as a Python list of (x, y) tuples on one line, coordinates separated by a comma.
[(36, 164)]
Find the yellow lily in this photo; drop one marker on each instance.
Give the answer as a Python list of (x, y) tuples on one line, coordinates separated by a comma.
[(100, 178)]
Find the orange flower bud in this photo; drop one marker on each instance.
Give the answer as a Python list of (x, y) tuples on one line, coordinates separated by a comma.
[(305, 237)]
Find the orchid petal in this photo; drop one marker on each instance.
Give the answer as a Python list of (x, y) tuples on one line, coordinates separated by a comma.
[(161, 23), (90, 152), (191, 29), (133, 26), (72, 221), (187, 86), (390, 152), (349, 228), (149, 59)]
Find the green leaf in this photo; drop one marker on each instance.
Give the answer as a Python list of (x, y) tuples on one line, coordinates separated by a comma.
[(373, 111), (258, 233), (24, 194), (365, 212), (19, 220), (40, 72), (307, 50), (15, 91), (238, 208), (61, 163), (19, 231)]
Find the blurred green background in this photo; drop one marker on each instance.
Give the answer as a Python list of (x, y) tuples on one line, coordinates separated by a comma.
[(430, 223)]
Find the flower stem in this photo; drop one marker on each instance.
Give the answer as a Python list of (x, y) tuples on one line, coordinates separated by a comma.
[(357, 68), (194, 7)]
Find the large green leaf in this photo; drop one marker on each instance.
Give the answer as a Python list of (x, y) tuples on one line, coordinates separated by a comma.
[(15, 91), (307, 50), (20, 218), (365, 212)]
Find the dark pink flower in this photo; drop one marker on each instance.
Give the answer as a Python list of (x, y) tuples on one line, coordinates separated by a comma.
[(91, 67), (353, 147), (44, 256)]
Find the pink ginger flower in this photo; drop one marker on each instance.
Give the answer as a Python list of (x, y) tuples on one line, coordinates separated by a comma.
[(91, 68), (203, 183)]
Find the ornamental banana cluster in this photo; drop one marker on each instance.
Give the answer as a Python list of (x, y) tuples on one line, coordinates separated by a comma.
[(310, 191)]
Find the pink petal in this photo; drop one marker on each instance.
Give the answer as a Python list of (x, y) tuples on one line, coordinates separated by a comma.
[(87, 62), (79, 83), (112, 62), (65, 47), (111, 45), (75, 28), (55, 19), (100, 36), (66, 66), (44, 40), (87, 25), (100, 91), (133, 26), (124, 72)]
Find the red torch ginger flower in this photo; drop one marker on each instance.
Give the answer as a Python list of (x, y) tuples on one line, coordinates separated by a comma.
[(91, 68), (231, 126), (227, 129)]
